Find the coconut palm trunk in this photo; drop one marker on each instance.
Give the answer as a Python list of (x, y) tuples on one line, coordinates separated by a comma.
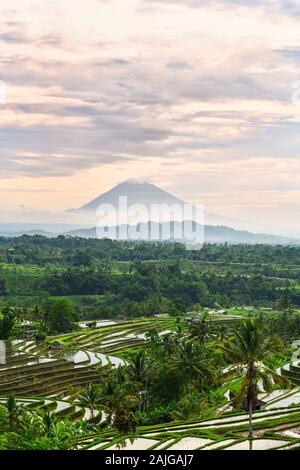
[(251, 398), (250, 434), (12, 409)]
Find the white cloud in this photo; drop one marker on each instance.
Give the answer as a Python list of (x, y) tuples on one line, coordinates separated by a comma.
[(164, 87)]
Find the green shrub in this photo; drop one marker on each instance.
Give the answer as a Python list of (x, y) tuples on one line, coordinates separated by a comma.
[(3, 419)]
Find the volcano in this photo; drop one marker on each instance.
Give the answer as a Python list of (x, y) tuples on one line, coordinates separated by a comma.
[(137, 192)]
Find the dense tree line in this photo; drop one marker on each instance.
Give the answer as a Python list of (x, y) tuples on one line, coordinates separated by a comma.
[(185, 289), (136, 279), (80, 251)]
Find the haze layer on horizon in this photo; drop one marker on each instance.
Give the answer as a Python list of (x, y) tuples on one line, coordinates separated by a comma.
[(199, 97)]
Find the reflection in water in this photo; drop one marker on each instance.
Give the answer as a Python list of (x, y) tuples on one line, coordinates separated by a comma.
[(6, 353), (116, 362), (94, 359), (76, 356), (2, 352), (98, 323), (13, 359), (90, 358), (8, 357)]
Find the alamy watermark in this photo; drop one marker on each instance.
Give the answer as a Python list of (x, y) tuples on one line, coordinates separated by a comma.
[(296, 94), (154, 222), (2, 93)]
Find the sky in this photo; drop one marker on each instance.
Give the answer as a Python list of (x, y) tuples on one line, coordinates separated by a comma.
[(200, 97)]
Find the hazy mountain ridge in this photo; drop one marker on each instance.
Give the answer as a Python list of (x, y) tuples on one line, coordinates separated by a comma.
[(212, 234), (13, 234), (218, 229)]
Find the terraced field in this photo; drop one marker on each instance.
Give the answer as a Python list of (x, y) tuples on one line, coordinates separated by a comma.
[(35, 369), (45, 377), (292, 370), (48, 376), (275, 428), (60, 408)]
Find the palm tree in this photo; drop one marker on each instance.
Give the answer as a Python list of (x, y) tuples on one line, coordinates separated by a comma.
[(191, 405), (7, 322), (139, 371), (168, 343), (201, 328), (31, 423), (285, 308), (90, 398), (247, 351), (49, 421), (13, 411), (120, 375), (66, 434), (41, 315), (192, 363), (153, 337), (117, 398), (24, 316)]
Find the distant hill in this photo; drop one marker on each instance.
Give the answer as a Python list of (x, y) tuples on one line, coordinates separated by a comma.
[(212, 234), (17, 229), (217, 229), (19, 233)]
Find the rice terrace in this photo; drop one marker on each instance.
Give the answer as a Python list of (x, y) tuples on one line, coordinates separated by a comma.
[(105, 354)]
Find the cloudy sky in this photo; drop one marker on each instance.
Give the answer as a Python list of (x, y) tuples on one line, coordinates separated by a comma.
[(198, 96)]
